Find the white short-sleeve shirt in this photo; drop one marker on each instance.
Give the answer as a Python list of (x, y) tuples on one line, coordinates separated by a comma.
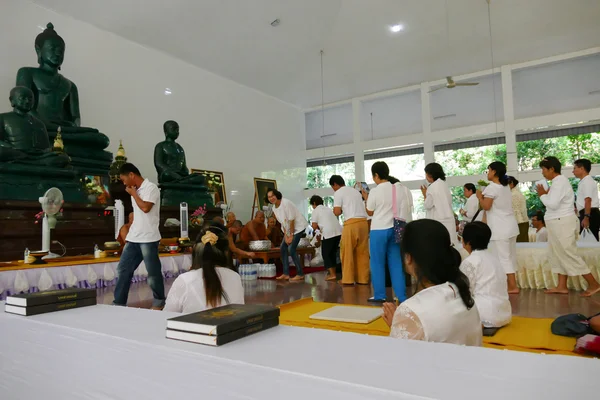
[(287, 212), (351, 202), (587, 188), (541, 235), (329, 224), (145, 227), (559, 200), (380, 202), (501, 217)]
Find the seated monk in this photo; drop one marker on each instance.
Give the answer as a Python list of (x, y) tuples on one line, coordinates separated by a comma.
[(57, 99), (253, 230), (23, 137), (169, 159), (231, 218), (125, 230), (274, 233), (236, 252)]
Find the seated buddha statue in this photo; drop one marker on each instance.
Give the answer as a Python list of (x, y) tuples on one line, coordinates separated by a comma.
[(23, 137), (169, 160), (56, 100)]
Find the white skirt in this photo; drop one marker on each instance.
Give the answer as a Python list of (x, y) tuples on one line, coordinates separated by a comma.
[(506, 251)]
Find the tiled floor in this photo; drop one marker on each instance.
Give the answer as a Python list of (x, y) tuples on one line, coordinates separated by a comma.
[(530, 303)]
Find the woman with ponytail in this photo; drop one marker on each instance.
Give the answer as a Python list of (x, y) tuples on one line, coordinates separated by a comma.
[(210, 282), (496, 201), (443, 309)]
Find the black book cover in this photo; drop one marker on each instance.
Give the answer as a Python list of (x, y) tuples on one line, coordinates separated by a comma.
[(50, 296), (46, 308), (220, 320), (224, 338)]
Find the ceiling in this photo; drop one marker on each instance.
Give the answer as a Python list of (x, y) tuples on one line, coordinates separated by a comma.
[(234, 38)]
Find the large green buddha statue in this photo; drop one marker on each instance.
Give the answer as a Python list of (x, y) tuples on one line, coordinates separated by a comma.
[(57, 105), (28, 164), (23, 137), (176, 182)]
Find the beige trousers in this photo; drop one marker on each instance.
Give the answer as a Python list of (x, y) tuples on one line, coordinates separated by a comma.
[(354, 251), (562, 247)]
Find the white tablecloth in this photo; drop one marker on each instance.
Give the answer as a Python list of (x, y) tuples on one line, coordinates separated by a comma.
[(534, 270), (85, 275), (106, 352)]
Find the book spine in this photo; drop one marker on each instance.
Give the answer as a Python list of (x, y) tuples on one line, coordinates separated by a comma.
[(67, 305), (242, 323), (247, 331), (60, 298)]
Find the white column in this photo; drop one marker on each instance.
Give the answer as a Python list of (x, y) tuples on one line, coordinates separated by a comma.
[(359, 155), (509, 120), (426, 122)]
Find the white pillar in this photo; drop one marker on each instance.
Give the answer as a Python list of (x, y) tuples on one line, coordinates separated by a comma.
[(509, 120), (359, 155), (426, 122)]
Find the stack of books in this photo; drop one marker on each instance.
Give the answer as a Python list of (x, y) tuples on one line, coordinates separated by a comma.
[(49, 301), (221, 325)]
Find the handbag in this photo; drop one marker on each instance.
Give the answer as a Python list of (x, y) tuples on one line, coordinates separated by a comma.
[(587, 237), (399, 223), (572, 325)]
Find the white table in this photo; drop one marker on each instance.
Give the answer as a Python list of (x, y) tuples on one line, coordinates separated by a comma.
[(534, 270), (83, 275), (106, 352)]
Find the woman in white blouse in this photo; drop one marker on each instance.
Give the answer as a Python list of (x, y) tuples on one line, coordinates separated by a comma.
[(443, 309), (519, 204), (486, 277), (496, 200), (438, 199), (382, 245), (209, 283)]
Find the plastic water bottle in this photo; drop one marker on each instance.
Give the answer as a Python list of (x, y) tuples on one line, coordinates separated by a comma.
[(26, 255), (96, 251), (242, 270)]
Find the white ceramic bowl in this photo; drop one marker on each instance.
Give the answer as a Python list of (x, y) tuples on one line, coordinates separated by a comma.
[(304, 242), (259, 245)]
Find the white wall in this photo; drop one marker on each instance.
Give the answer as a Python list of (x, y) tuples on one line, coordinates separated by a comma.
[(224, 126)]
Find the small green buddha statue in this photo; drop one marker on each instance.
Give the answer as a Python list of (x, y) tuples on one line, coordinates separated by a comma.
[(169, 159), (57, 103), (23, 137)]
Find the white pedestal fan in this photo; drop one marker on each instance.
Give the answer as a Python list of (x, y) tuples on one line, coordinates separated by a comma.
[(51, 202)]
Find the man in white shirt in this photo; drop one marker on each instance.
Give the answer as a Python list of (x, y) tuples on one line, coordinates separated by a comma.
[(541, 233), (322, 219), (471, 209), (143, 238), (562, 229), (293, 225), (354, 245), (587, 197)]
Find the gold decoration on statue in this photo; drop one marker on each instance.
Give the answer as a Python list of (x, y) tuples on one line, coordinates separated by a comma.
[(121, 150), (58, 145)]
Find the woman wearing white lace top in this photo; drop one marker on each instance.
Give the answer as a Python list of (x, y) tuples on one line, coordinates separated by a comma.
[(496, 200), (486, 277), (209, 283), (443, 309), (438, 199), (519, 204)]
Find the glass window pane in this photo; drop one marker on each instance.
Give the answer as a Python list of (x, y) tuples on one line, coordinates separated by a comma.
[(470, 161), (405, 168), (318, 177), (566, 148)]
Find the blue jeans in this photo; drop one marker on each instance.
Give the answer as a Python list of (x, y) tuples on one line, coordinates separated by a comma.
[(291, 251), (383, 246), (132, 256)]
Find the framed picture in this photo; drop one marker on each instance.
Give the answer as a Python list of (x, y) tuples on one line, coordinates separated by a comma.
[(261, 186), (216, 184)]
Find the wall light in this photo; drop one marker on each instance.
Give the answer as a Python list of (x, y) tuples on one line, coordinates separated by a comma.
[(396, 28), (167, 91)]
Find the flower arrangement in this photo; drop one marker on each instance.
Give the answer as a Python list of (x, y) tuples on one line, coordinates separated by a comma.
[(482, 183), (197, 217)]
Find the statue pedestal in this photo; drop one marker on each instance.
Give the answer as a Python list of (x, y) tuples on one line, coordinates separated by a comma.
[(30, 182), (173, 194)]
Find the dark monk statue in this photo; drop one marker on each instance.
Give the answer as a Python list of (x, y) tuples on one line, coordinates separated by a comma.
[(56, 103), (23, 137)]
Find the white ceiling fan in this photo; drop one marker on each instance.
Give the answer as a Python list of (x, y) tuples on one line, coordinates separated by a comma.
[(450, 84)]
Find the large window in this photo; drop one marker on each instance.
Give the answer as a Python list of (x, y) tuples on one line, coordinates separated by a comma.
[(469, 160), (406, 168), (317, 176), (566, 148)]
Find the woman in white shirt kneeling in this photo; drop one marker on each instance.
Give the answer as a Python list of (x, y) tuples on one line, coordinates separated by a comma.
[(486, 277), (443, 309), (209, 283)]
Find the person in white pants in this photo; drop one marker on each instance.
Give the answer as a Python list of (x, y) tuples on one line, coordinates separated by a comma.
[(562, 229)]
